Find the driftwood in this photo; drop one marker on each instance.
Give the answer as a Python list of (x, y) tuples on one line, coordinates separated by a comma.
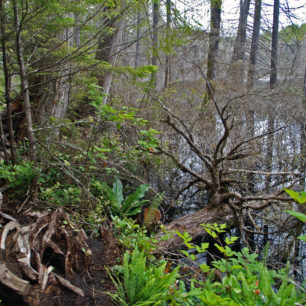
[(192, 224)]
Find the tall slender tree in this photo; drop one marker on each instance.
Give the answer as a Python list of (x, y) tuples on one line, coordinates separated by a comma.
[(239, 46), (156, 5), (273, 82), (254, 43), (137, 47), (7, 82), (24, 82), (214, 38), (274, 49), (251, 77), (168, 25)]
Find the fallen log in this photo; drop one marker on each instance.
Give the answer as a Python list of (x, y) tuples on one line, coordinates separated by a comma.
[(192, 224)]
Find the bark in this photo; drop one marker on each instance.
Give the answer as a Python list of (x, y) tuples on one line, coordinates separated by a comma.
[(167, 64), (52, 99), (254, 44), (214, 37), (24, 84), (7, 83), (155, 38)]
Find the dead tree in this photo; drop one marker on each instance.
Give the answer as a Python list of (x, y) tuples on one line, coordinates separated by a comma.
[(230, 200)]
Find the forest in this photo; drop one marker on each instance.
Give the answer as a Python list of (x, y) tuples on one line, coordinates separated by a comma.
[(152, 152)]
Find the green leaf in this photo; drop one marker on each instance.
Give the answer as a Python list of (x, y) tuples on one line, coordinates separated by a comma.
[(108, 192), (297, 214), (134, 198), (302, 237), (117, 191), (298, 196)]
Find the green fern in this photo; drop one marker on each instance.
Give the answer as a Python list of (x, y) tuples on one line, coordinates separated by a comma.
[(142, 284)]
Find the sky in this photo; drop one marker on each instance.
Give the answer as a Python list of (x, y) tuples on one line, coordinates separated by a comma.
[(198, 10)]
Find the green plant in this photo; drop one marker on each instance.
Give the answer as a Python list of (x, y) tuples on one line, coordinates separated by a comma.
[(19, 176), (244, 280), (66, 195), (142, 283), (300, 197), (120, 206), (131, 235)]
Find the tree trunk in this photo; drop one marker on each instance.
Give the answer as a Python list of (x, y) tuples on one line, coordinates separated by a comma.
[(3, 145), (77, 32), (108, 50), (274, 49), (24, 84), (137, 51), (303, 135), (7, 83), (167, 64), (239, 46), (214, 37), (273, 82), (155, 39), (52, 97), (254, 44), (251, 77)]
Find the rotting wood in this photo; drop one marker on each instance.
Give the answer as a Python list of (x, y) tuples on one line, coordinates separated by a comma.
[(9, 279), (9, 227), (192, 224)]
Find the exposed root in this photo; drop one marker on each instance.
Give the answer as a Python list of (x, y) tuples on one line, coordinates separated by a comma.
[(45, 255)]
